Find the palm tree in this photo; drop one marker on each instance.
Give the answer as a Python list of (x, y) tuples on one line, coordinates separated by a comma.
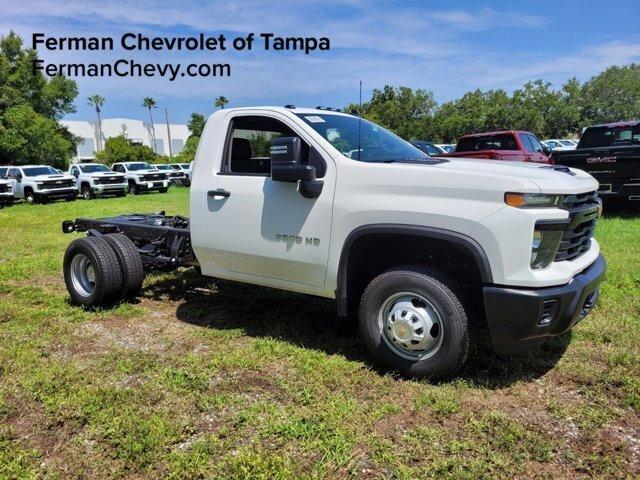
[(221, 101), (150, 103), (97, 101)]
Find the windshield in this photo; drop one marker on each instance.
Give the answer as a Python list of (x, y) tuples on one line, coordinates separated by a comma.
[(139, 166), (566, 143), (93, 168), (375, 145), (33, 171)]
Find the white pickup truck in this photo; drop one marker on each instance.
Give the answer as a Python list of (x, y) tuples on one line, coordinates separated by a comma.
[(142, 177), (412, 245), (41, 183), (95, 179)]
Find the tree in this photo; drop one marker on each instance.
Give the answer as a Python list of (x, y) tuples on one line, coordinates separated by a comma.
[(188, 153), (149, 103), (121, 149), (28, 137), (19, 85), (196, 124), (612, 95), (221, 101), (30, 105), (97, 102)]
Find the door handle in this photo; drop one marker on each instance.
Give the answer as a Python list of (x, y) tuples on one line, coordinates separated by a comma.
[(221, 192)]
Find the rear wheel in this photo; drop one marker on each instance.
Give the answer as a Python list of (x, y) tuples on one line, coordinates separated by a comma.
[(412, 321), (130, 263), (92, 272)]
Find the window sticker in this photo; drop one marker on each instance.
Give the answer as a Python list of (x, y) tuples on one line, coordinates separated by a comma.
[(314, 119)]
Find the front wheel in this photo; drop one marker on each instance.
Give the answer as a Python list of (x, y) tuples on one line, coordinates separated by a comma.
[(411, 320), (133, 188), (30, 197), (86, 193)]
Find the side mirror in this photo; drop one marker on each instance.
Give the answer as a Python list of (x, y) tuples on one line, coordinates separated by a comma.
[(287, 166), (546, 151)]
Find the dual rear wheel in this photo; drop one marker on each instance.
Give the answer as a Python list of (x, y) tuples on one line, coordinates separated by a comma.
[(101, 270)]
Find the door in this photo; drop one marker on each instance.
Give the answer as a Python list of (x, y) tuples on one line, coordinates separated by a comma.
[(538, 155), (257, 228), (12, 176)]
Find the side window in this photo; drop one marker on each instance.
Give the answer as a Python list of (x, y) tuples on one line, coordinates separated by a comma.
[(118, 168), (535, 144), (248, 149), (74, 171), (11, 173), (526, 143)]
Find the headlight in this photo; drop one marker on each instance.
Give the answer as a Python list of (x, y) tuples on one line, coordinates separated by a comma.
[(39, 185), (532, 200), (544, 247)]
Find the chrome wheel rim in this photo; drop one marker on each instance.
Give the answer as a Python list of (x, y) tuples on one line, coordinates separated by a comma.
[(411, 326), (87, 194), (83, 275)]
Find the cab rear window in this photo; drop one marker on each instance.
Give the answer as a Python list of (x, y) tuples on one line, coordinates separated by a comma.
[(490, 142), (610, 136)]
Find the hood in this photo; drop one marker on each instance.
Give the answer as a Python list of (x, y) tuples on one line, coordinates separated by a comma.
[(545, 177), (52, 177)]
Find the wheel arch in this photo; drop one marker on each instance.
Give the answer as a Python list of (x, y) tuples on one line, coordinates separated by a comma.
[(366, 237)]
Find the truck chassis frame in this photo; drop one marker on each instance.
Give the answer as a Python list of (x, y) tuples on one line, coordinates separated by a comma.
[(164, 242)]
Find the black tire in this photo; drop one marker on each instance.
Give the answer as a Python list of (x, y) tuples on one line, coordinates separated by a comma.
[(30, 197), (163, 190), (107, 286), (134, 188), (130, 263), (450, 354), (86, 192)]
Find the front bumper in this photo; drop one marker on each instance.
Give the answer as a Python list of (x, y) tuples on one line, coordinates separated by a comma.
[(520, 317), (154, 185), (7, 197), (108, 188), (619, 191), (57, 192)]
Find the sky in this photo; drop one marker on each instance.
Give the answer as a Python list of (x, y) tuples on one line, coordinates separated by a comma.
[(447, 47)]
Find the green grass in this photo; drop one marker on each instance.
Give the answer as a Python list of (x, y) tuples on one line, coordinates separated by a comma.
[(208, 379)]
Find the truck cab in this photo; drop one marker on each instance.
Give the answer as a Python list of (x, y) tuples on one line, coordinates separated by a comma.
[(176, 176), (41, 183), (413, 246), (512, 146), (95, 179), (142, 177), (611, 153)]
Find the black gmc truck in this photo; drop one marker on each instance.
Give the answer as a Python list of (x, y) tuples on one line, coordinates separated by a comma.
[(611, 153)]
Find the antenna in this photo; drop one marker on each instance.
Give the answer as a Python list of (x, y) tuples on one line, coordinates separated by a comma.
[(359, 119)]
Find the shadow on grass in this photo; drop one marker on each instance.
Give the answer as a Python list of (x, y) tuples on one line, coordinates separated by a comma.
[(311, 322)]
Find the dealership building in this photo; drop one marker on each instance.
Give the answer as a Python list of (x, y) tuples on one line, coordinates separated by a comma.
[(167, 141)]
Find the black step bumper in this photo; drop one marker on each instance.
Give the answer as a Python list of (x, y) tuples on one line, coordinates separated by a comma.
[(519, 318)]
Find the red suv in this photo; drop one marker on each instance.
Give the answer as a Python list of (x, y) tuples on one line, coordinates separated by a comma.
[(512, 145)]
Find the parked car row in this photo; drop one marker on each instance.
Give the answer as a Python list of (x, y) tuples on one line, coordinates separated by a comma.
[(609, 152), (41, 183)]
